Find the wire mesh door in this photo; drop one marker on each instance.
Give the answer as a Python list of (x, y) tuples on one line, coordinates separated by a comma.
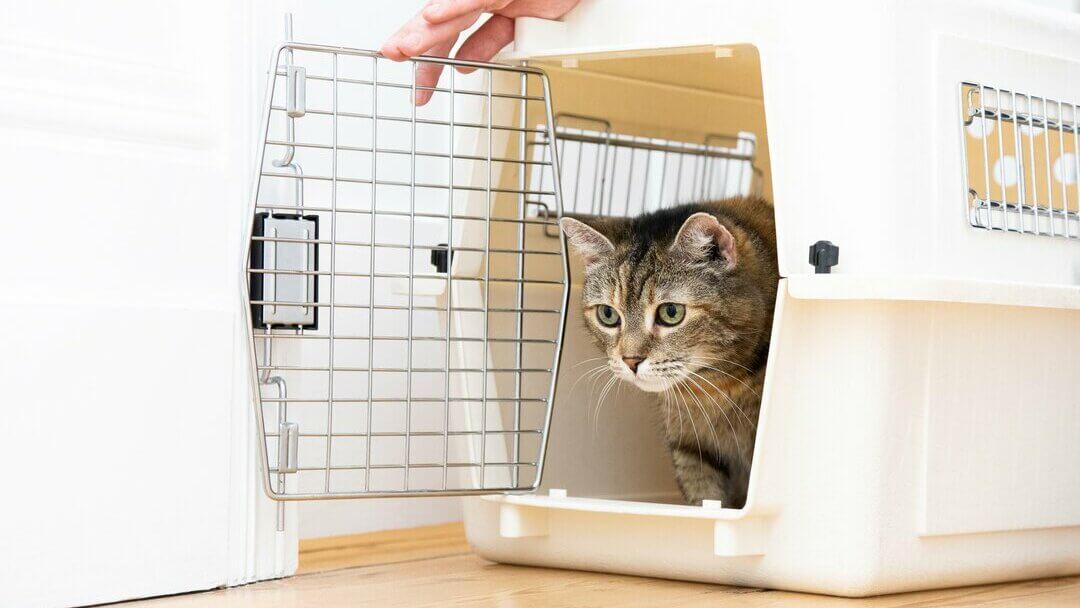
[(405, 323)]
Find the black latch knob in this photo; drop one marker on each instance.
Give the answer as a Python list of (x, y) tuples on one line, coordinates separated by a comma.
[(440, 257), (823, 256)]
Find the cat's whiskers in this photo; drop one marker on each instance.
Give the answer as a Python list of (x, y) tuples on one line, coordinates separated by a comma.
[(679, 411), (723, 360), (594, 391), (705, 414), (667, 371), (734, 433), (589, 374), (666, 394), (728, 374), (600, 403), (618, 391), (584, 361), (728, 397), (674, 372), (597, 403), (593, 375), (690, 415)]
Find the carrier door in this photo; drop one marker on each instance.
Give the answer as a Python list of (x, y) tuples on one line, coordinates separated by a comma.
[(405, 307)]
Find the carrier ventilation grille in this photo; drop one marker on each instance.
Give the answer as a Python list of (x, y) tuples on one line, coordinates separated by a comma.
[(613, 174), (405, 312), (1021, 161)]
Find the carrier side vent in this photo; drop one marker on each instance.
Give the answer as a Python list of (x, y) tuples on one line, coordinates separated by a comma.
[(1021, 161)]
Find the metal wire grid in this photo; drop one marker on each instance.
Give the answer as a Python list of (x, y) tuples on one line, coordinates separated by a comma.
[(1020, 161), (614, 174), (411, 381)]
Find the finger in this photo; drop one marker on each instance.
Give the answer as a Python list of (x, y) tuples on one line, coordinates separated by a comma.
[(487, 40), (407, 37), (544, 9), (427, 74), (439, 11), (418, 36)]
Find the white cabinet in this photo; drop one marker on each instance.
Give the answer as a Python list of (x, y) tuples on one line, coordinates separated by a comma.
[(126, 137)]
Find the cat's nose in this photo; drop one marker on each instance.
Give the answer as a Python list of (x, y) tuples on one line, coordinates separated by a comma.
[(633, 362)]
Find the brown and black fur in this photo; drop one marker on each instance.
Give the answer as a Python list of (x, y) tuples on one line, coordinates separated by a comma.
[(709, 369)]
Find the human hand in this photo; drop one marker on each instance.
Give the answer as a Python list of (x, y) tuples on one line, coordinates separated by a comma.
[(435, 30)]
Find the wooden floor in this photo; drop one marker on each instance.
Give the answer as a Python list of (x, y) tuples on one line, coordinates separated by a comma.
[(432, 566)]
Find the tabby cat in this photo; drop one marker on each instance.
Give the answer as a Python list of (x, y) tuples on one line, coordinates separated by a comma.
[(681, 301)]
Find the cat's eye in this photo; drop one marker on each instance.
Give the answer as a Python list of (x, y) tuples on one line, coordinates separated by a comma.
[(670, 313), (607, 316)]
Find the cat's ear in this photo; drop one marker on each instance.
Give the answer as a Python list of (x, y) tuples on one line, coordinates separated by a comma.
[(702, 237), (586, 240)]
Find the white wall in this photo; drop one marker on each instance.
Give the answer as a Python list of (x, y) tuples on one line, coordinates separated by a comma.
[(1069, 5)]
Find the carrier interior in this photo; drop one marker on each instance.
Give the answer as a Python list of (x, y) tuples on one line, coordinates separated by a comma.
[(640, 130)]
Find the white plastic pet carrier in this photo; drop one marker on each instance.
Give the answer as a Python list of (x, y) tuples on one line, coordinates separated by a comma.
[(919, 425)]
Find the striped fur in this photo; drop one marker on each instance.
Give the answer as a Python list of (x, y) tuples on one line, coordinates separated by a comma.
[(718, 259)]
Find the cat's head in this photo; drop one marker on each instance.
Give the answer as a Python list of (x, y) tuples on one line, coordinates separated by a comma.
[(672, 297)]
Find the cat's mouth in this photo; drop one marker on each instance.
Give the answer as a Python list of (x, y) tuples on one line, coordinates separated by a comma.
[(653, 377), (653, 385)]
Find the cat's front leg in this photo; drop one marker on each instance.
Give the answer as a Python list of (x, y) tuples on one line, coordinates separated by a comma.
[(703, 475)]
